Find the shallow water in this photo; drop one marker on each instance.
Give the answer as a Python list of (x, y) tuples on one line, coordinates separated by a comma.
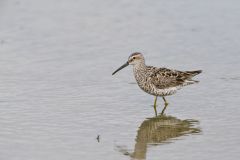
[(57, 93)]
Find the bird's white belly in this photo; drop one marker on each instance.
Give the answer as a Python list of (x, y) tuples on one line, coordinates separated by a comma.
[(151, 89), (166, 91)]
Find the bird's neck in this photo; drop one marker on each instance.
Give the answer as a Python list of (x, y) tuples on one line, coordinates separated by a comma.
[(139, 68), (139, 71)]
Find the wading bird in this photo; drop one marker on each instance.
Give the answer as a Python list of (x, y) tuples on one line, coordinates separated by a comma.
[(159, 82)]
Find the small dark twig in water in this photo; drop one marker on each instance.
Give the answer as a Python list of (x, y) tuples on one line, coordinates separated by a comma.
[(98, 138)]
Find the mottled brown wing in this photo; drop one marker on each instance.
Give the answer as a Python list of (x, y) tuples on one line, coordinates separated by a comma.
[(165, 78)]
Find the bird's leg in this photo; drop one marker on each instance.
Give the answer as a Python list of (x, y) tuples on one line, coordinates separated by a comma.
[(166, 104), (155, 105), (155, 102), (165, 101), (163, 110), (155, 111)]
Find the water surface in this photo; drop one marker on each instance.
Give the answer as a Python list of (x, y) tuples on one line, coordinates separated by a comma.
[(57, 93)]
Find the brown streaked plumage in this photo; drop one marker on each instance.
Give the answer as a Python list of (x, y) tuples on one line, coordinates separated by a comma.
[(158, 81), (165, 78)]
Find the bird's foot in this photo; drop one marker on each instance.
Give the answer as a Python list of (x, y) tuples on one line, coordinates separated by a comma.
[(163, 114)]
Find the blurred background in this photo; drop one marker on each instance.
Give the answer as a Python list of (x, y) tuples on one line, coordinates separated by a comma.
[(57, 94)]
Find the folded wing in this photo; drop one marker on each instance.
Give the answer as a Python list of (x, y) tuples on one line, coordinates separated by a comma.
[(164, 78)]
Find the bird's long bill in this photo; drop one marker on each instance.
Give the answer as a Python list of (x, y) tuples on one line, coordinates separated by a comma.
[(123, 66)]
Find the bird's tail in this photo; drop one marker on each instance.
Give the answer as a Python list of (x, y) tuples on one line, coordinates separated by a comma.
[(190, 81), (188, 77), (193, 73)]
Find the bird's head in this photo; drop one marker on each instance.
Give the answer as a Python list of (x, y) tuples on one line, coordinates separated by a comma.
[(133, 59)]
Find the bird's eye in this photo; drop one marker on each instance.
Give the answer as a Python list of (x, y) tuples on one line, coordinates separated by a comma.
[(133, 57)]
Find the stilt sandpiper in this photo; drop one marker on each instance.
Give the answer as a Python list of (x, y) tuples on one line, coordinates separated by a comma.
[(158, 81)]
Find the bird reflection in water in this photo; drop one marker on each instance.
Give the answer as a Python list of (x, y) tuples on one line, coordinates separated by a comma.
[(159, 130)]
